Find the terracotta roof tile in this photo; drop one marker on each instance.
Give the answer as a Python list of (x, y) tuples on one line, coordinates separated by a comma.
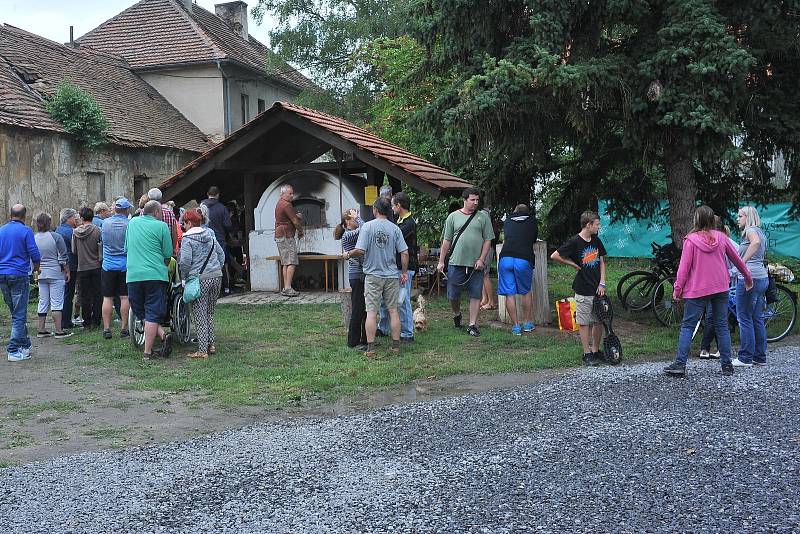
[(157, 33), (136, 113), (362, 139)]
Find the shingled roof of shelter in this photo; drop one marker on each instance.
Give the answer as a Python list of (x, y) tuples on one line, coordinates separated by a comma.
[(357, 138), (160, 33), (31, 67)]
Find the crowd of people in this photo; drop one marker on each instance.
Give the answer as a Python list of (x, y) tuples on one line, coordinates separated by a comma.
[(116, 260)]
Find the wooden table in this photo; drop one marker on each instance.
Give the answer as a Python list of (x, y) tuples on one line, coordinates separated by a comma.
[(311, 257)]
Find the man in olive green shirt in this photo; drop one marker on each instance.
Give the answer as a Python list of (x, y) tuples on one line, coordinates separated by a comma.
[(148, 244), (472, 236)]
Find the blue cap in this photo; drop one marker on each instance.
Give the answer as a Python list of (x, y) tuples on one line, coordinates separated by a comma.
[(123, 203)]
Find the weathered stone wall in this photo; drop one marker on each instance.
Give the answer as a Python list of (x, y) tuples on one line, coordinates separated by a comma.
[(47, 171)]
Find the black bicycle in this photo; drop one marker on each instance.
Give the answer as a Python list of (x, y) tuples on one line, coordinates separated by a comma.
[(635, 289)]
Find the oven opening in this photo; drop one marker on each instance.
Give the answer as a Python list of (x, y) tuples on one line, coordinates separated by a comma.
[(313, 210)]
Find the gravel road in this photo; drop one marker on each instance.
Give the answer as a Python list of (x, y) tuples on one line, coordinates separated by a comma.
[(597, 450)]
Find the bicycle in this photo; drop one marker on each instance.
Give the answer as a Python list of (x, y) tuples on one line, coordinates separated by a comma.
[(635, 289), (780, 315)]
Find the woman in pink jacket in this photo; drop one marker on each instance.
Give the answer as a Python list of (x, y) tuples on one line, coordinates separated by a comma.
[(702, 279)]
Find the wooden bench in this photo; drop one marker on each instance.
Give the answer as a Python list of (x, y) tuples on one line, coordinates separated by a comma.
[(312, 257)]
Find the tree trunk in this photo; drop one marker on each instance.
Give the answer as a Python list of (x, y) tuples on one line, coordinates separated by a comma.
[(681, 185)]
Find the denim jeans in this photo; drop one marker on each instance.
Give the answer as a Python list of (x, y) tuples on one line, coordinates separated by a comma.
[(15, 292), (692, 312), (750, 314), (708, 329), (404, 307)]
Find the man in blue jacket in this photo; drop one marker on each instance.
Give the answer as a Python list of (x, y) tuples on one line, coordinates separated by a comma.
[(17, 251)]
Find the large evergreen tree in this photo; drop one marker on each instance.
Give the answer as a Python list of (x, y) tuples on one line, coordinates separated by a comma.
[(623, 98)]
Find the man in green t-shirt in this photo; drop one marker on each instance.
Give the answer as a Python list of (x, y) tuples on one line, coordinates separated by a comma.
[(470, 233), (148, 245)]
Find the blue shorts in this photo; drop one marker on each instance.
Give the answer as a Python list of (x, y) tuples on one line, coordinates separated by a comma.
[(514, 276), (148, 300), (459, 277)]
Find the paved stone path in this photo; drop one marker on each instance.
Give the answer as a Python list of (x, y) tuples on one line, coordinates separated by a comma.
[(268, 297)]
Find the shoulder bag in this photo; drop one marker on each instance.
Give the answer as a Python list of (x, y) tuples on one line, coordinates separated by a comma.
[(191, 291), (455, 240)]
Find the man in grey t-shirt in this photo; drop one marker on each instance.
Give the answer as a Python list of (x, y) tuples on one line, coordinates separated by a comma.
[(378, 241)]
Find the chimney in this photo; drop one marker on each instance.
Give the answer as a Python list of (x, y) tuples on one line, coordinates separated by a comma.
[(235, 15)]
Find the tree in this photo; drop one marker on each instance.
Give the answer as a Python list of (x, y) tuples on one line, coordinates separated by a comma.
[(406, 89), (328, 38), (619, 97)]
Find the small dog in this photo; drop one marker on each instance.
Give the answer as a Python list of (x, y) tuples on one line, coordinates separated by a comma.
[(420, 321)]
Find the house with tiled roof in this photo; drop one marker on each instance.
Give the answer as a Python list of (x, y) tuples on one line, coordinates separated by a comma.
[(42, 165), (206, 64)]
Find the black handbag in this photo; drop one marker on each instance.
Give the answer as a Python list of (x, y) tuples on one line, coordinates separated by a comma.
[(772, 292)]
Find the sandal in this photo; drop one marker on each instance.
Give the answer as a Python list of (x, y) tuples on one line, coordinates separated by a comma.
[(371, 354), (487, 307), (198, 355)]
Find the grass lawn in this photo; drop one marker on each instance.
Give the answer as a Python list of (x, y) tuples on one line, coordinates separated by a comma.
[(279, 355)]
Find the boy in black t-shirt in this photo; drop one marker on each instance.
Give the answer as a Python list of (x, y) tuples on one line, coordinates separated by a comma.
[(585, 253)]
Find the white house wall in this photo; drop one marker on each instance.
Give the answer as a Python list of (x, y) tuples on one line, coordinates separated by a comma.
[(244, 82), (196, 92)]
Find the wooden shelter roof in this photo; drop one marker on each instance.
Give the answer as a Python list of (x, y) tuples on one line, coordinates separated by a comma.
[(287, 137)]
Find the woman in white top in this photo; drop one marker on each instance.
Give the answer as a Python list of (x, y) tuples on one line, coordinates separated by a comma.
[(53, 275)]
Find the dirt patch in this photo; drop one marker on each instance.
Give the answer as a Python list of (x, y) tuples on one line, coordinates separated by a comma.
[(61, 402)]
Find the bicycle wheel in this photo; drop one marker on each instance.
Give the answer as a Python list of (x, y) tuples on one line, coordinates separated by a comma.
[(180, 322), (780, 316), (136, 329), (639, 294), (626, 281), (669, 312)]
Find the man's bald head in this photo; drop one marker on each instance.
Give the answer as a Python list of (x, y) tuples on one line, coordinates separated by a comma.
[(522, 209), (18, 211)]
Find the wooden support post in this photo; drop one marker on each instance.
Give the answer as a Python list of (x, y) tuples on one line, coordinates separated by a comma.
[(541, 299), (249, 226)]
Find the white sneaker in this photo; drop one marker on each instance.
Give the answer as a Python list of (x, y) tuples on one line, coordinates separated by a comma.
[(19, 356), (25, 354), (704, 354), (714, 355), (738, 363), (77, 320)]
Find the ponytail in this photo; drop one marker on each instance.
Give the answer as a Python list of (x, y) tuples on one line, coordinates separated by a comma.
[(338, 232)]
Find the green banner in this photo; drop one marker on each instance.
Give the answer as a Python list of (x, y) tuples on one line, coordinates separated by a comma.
[(631, 238)]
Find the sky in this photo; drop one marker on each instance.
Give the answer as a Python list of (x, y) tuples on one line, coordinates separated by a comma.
[(52, 18)]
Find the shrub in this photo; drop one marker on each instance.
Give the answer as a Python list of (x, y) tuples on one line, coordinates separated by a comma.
[(78, 113)]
